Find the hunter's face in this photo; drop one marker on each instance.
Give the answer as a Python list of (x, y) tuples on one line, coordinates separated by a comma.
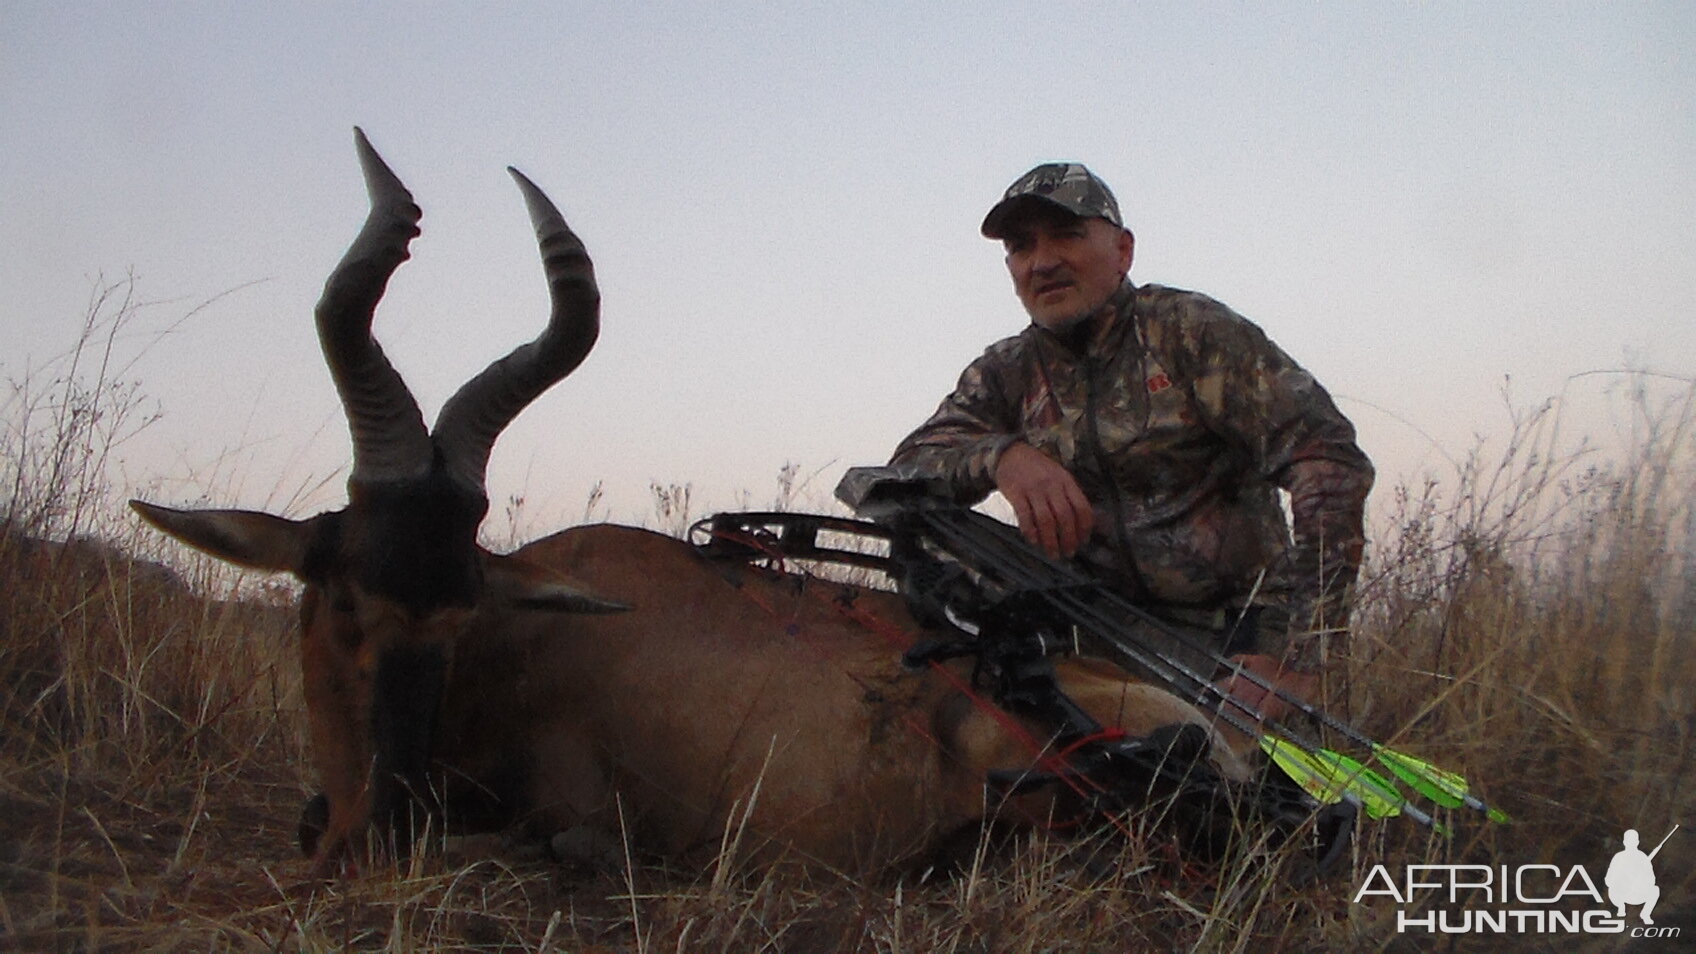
[(1064, 267)]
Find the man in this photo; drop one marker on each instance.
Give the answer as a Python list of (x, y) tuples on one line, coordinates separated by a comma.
[(1146, 431)]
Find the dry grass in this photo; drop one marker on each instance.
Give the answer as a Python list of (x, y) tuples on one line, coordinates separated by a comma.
[(1528, 624)]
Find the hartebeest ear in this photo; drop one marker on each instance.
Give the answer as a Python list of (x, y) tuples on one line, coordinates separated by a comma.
[(247, 538), (530, 587)]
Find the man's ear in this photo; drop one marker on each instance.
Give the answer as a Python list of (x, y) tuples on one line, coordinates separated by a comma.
[(1127, 250)]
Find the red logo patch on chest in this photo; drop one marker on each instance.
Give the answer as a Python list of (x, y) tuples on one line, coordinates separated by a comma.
[(1158, 383)]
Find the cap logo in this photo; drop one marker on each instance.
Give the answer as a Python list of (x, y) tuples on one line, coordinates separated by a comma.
[(1044, 180)]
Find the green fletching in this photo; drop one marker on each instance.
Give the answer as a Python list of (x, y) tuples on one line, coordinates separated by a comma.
[(1330, 777), (1365, 779), (1297, 766), (1446, 788)]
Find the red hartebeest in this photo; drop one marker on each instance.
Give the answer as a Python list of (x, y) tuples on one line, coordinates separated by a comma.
[(605, 679)]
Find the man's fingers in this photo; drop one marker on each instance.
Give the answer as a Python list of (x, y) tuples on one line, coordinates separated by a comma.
[(1068, 534), (1034, 521), (1083, 515), (1051, 508), (1069, 512), (1046, 523)]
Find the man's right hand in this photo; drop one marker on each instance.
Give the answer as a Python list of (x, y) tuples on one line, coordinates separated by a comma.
[(1053, 512)]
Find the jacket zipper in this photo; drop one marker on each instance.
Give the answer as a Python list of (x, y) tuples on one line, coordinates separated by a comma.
[(1139, 591)]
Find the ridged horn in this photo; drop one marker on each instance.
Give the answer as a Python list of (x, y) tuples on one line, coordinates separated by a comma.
[(389, 439), (478, 412)]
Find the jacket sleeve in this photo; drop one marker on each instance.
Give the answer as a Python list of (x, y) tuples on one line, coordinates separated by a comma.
[(963, 441), (1296, 438)]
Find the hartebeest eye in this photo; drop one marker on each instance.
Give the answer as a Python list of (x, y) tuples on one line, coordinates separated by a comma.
[(393, 624), (341, 601)]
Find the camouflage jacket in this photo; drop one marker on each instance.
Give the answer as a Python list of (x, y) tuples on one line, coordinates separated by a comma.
[(1180, 420)]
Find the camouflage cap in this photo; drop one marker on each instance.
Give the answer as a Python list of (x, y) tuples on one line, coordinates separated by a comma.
[(1066, 184)]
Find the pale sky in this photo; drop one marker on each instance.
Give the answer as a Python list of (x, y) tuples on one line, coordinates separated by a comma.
[(782, 201)]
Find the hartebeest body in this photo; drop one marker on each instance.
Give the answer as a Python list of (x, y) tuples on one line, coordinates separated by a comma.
[(606, 679)]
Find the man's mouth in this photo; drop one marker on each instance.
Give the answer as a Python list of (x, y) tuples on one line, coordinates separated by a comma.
[(1056, 285)]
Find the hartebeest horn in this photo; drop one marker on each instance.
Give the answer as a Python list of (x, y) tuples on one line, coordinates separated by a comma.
[(389, 439), (478, 412)]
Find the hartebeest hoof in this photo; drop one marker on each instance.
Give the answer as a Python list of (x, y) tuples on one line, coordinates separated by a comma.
[(1182, 746), (314, 821), (588, 848)]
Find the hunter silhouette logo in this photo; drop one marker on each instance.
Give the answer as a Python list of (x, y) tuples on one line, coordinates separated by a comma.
[(1631, 876), (1526, 899)]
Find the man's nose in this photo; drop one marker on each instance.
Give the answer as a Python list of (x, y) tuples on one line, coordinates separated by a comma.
[(1044, 256)]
